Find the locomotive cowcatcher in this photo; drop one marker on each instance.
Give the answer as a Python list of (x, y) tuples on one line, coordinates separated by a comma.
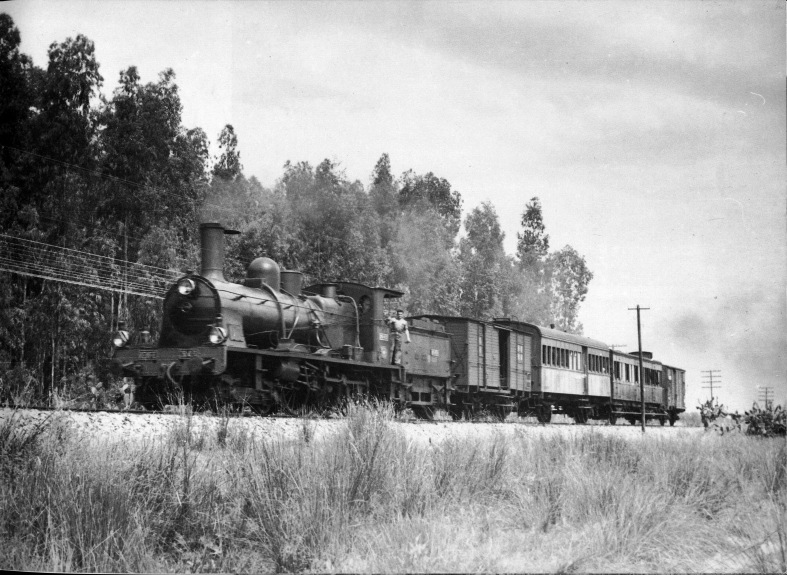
[(268, 344)]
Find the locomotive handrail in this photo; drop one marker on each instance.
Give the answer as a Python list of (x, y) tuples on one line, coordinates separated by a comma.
[(278, 304), (357, 319), (294, 324)]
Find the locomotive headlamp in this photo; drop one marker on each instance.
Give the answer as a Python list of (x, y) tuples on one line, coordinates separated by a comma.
[(186, 286), (217, 335), (120, 339)]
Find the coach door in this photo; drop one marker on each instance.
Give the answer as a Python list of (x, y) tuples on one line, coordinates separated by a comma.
[(504, 337)]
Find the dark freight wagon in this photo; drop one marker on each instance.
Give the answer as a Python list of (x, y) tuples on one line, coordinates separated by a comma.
[(490, 365)]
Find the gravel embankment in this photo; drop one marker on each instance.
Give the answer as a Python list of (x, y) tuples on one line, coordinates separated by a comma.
[(109, 426)]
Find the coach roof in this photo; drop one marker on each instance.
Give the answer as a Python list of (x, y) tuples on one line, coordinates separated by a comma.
[(556, 334)]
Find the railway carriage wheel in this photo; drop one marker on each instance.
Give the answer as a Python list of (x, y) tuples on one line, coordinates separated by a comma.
[(501, 412), (456, 410), (425, 412), (544, 413), (581, 416), (612, 418), (662, 420), (471, 409)]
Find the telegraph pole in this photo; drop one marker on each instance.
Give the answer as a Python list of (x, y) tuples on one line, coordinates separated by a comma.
[(641, 373), (710, 374), (765, 393)]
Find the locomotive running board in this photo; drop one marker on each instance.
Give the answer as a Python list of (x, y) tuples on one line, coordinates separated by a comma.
[(311, 356)]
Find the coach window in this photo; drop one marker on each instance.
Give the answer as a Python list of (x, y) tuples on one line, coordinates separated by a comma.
[(520, 354), (617, 370), (480, 344), (628, 372), (636, 374)]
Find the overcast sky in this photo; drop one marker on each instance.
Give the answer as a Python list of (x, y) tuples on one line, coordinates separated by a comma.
[(654, 134)]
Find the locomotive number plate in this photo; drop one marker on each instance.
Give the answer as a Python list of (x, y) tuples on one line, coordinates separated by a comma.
[(383, 336), (186, 353), (147, 354)]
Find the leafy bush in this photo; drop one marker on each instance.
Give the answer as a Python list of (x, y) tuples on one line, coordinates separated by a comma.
[(766, 422)]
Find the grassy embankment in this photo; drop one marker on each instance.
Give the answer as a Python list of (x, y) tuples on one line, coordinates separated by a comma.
[(369, 500)]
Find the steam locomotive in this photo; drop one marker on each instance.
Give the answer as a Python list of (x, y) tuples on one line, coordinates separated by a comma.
[(269, 344)]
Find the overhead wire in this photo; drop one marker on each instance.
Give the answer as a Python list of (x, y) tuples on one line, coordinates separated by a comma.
[(29, 257)]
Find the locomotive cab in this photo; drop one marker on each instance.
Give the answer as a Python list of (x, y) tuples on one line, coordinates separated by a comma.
[(373, 305)]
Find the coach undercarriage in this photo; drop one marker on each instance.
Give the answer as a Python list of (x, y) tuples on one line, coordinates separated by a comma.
[(583, 409)]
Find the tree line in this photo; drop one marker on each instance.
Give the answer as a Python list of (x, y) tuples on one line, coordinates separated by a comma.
[(122, 177)]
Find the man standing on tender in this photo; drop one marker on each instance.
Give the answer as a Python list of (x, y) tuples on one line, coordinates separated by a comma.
[(398, 327)]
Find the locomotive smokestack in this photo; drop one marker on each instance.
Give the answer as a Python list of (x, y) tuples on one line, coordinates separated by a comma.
[(212, 250)]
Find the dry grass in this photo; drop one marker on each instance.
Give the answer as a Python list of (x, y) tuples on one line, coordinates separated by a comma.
[(370, 500)]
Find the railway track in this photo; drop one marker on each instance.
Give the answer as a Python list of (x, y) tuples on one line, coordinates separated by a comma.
[(311, 416)]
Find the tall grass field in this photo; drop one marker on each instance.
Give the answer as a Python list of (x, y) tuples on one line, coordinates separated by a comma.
[(370, 500)]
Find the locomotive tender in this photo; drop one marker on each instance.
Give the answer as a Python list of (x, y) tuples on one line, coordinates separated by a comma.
[(269, 344)]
